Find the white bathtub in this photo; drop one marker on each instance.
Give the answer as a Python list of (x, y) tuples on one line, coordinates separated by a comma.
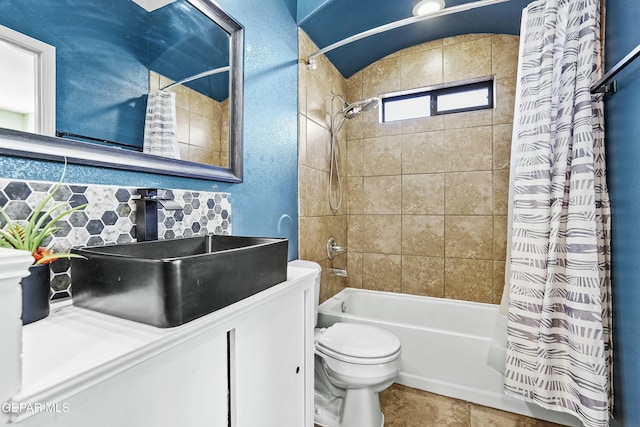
[(444, 345)]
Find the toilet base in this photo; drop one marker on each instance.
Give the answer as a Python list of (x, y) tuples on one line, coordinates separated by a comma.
[(361, 408), (358, 408)]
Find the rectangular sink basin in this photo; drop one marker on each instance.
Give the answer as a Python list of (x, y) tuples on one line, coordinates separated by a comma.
[(167, 283)]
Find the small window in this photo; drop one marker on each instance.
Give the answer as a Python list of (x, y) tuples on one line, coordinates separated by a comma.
[(469, 97), (406, 107), (431, 102)]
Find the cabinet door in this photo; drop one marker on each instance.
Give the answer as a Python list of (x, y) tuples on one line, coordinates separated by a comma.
[(184, 386), (267, 362)]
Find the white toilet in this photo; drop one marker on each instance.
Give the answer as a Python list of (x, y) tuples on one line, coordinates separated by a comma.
[(353, 363)]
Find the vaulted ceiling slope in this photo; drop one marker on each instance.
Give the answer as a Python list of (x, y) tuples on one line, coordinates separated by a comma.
[(335, 20)]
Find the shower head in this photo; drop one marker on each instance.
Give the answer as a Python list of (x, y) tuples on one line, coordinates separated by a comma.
[(354, 109), (350, 111), (369, 104)]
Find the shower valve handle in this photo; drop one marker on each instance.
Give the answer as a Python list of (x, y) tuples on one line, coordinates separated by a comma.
[(333, 248)]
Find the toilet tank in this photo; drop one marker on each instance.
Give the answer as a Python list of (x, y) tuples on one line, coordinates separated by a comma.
[(299, 263)]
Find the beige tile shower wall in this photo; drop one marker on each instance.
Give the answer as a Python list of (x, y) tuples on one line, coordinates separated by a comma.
[(427, 198), (203, 124), (317, 221)]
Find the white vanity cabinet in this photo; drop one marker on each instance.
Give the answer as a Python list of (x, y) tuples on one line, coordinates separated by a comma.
[(247, 365)]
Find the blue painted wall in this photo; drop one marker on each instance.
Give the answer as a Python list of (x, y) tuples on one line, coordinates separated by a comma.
[(266, 204), (622, 111)]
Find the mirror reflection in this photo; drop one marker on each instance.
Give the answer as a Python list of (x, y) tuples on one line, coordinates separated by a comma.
[(117, 62), (27, 83), (17, 104)]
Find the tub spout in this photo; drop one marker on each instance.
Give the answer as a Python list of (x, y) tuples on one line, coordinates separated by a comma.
[(340, 272)]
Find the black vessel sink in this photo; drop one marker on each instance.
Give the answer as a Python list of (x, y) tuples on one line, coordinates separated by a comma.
[(167, 283)]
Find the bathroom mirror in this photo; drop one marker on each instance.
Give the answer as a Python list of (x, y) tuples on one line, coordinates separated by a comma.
[(110, 55)]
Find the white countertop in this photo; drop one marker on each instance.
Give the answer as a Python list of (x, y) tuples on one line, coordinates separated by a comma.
[(75, 348)]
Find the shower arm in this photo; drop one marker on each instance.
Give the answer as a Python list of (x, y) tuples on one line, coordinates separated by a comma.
[(311, 62), (337, 95)]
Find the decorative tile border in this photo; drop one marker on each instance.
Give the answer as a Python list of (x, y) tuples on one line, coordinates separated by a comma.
[(110, 217)]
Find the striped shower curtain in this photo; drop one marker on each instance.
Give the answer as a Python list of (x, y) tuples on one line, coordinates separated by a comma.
[(160, 127), (558, 345)]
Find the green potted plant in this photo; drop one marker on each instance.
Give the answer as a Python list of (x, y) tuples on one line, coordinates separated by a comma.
[(31, 235)]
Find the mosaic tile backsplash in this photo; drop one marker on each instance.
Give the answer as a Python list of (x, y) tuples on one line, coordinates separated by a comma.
[(110, 217)]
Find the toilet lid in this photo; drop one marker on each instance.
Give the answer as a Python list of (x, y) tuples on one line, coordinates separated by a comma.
[(357, 340)]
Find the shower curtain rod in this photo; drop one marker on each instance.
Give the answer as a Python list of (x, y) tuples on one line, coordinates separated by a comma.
[(602, 85), (311, 62), (198, 76)]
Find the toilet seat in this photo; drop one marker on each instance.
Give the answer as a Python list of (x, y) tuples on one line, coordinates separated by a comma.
[(358, 343)]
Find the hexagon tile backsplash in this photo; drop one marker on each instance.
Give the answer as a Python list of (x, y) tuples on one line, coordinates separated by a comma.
[(110, 217)]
